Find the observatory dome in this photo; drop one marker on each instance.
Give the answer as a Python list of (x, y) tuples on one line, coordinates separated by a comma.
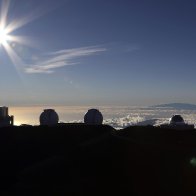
[(93, 116), (48, 117), (176, 120)]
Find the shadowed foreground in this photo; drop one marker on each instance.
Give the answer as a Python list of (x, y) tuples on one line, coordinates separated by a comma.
[(78, 159)]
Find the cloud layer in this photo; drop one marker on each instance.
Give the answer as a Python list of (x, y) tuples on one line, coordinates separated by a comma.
[(51, 61), (117, 117)]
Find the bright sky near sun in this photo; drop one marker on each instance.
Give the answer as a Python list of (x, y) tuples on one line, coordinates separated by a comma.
[(97, 52)]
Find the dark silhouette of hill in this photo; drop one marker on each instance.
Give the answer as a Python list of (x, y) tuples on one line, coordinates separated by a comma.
[(181, 106), (79, 159)]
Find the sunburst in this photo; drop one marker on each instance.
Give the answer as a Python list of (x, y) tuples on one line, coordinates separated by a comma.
[(7, 31)]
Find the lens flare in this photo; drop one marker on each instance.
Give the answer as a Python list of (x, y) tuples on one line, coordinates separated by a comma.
[(193, 161)]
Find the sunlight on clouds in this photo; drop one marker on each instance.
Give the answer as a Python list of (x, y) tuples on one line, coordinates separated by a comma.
[(61, 58), (116, 116)]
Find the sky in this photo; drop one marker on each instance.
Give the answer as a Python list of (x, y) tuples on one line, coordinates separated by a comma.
[(98, 52)]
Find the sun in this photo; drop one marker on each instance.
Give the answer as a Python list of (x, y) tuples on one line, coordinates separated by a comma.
[(10, 42), (3, 36)]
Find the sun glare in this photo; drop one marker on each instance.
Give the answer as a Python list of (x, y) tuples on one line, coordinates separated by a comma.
[(15, 45), (3, 36)]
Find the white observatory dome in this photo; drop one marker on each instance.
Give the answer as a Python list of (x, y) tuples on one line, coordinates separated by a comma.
[(176, 120), (48, 117), (93, 116)]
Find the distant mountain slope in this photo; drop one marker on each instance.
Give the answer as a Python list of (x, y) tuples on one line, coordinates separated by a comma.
[(181, 106)]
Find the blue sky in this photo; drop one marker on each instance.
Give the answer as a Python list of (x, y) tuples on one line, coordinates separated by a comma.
[(99, 52)]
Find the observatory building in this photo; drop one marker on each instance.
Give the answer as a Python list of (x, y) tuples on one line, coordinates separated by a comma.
[(177, 122), (93, 117), (5, 119), (49, 117)]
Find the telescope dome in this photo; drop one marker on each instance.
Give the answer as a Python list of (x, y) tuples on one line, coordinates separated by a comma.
[(48, 117), (93, 116), (176, 120)]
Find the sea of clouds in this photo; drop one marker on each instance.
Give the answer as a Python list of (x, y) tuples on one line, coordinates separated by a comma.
[(121, 117), (117, 116)]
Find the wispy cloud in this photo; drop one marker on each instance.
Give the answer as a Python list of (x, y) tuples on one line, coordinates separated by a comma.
[(53, 60)]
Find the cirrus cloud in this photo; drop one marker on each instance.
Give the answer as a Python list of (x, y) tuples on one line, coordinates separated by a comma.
[(53, 60)]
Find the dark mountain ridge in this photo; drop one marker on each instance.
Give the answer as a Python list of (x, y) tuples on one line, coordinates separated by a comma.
[(79, 159), (181, 106)]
